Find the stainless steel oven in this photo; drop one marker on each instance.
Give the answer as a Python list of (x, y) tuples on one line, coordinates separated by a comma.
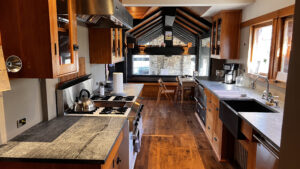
[(200, 99), (135, 132)]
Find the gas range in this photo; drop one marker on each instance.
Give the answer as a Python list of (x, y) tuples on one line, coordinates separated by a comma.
[(103, 111), (114, 98)]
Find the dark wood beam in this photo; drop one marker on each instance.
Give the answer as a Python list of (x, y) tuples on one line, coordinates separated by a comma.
[(149, 28), (186, 27), (147, 25), (151, 10), (145, 22), (196, 21), (158, 27), (189, 24)]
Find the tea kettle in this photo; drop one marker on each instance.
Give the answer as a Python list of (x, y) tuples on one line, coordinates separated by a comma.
[(84, 103)]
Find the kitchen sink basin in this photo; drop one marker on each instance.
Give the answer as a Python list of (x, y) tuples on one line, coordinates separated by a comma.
[(248, 106), (229, 110)]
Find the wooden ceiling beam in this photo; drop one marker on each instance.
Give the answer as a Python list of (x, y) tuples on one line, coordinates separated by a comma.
[(186, 27), (145, 21), (147, 25), (149, 28), (189, 24), (158, 27), (150, 11), (191, 18)]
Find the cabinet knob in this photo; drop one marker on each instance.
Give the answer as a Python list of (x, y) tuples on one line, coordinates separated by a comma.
[(119, 160), (217, 109), (208, 128), (215, 139), (75, 47)]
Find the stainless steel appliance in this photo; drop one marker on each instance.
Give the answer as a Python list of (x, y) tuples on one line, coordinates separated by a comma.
[(104, 13), (200, 99), (135, 132), (230, 72)]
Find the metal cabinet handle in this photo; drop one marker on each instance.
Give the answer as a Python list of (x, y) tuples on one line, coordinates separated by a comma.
[(269, 147), (119, 160), (217, 109), (55, 49), (208, 128), (215, 139)]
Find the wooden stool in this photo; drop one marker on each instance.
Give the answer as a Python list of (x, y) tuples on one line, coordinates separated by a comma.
[(163, 90)]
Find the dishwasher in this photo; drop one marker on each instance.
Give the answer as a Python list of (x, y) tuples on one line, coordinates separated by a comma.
[(266, 154)]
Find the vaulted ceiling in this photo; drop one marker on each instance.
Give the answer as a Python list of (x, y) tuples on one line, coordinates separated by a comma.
[(186, 25)]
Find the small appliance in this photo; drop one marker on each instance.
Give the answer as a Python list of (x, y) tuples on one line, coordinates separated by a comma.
[(230, 72)]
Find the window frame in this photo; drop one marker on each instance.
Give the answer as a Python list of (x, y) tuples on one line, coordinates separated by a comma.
[(252, 34), (276, 43)]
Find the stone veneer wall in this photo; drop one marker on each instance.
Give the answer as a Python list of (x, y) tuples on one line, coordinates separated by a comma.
[(175, 65)]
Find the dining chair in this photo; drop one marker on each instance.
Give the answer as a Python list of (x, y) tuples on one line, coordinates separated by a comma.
[(164, 91)]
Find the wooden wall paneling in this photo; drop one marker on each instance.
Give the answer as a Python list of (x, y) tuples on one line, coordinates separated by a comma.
[(150, 90), (4, 81), (287, 11)]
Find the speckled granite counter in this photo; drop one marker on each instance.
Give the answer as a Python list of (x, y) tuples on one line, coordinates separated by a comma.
[(66, 139), (267, 124)]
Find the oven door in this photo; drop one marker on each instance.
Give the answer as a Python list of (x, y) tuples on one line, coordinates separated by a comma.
[(137, 134), (201, 111)]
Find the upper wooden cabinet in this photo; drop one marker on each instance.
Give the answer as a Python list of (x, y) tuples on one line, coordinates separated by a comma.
[(43, 34), (106, 45), (4, 81), (225, 35)]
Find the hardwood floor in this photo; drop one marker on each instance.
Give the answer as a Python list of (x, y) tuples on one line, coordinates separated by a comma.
[(173, 139)]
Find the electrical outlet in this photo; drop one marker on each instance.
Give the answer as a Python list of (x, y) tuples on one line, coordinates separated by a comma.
[(21, 122)]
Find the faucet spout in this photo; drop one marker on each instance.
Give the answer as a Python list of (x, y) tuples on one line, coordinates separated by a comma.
[(267, 93)]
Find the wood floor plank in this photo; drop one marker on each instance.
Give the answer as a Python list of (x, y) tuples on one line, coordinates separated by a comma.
[(173, 139)]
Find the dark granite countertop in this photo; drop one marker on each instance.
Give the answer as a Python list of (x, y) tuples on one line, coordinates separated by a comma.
[(267, 124), (66, 139)]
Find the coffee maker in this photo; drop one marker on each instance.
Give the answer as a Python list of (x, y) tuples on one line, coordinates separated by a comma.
[(231, 70)]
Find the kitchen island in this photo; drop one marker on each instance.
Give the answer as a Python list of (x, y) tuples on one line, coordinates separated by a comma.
[(71, 142)]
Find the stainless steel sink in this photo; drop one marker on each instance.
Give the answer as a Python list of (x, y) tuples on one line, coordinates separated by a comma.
[(229, 110)]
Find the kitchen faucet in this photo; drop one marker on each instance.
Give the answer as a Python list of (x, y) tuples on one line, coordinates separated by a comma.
[(267, 95)]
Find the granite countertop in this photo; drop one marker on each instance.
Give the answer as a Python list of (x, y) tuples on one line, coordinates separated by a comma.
[(66, 139), (133, 89), (267, 124)]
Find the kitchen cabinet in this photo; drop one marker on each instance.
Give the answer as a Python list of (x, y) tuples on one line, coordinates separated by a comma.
[(215, 132), (105, 45), (225, 35), (4, 81), (43, 34)]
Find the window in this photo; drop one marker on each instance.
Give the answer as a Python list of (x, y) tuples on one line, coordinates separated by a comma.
[(286, 45), (261, 49), (161, 65), (271, 47)]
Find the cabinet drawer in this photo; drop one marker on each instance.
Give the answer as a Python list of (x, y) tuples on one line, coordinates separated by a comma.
[(209, 127), (216, 142)]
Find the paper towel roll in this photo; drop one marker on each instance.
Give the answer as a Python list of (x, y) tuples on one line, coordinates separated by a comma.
[(118, 82)]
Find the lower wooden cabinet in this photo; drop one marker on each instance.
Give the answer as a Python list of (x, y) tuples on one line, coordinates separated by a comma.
[(214, 129)]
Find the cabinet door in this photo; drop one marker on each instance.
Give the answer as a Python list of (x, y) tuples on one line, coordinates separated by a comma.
[(4, 85), (218, 38), (67, 37)]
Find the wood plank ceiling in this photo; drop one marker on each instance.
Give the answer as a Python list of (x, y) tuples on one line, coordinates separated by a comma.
[(149, 24)]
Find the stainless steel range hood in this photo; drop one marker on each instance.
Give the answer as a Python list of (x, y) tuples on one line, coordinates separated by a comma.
[(103, 13)]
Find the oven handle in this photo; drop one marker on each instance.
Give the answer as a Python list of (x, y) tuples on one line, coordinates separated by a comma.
[(201, 87), (135, 134)]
